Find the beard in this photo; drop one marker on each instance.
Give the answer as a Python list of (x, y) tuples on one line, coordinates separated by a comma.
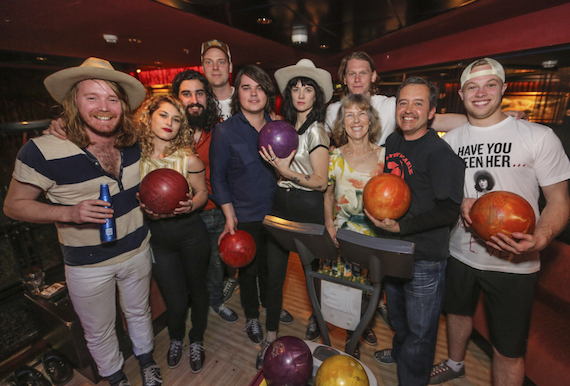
[(197, 121)]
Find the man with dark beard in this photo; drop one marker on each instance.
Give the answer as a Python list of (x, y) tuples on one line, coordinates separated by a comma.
[(97, 102), (194, 91)]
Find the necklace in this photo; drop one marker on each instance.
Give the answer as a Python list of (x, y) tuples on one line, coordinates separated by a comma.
[(364, 158)]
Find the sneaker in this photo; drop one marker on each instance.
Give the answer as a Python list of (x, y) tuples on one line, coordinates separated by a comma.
[(369, 337), (151, 376), (313, 331), (254, 331), (226, 313), (230, 287), (174, 355), (261, 354), (356, 352), (284, 318), (441, 373), (384, 357), (197, 357), (383, 312)]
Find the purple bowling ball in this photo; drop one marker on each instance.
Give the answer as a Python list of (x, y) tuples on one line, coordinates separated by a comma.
[(288, 362), (282, 137)]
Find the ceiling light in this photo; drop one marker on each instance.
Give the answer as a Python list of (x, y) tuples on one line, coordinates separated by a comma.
[(138, 70), (41, 58), (549, 63), (264, 20), (110, 38), (324, 46), (135, 40), (299, 35)]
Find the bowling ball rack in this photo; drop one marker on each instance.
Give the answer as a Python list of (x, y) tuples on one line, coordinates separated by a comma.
[(381, 257)]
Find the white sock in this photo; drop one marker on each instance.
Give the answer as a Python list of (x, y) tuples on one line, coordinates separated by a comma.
[(271, 336), (455, 366)]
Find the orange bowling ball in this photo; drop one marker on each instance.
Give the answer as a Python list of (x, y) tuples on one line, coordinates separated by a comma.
[(386, 196), (341, 370), (503, 212)]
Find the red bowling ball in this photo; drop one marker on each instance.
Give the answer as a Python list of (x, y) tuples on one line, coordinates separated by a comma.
[(386, 196), (503, 212), (288, 362), (237, 250), (161, 190), (282, 137)]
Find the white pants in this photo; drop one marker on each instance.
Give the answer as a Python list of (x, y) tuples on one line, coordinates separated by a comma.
[(93, 293)]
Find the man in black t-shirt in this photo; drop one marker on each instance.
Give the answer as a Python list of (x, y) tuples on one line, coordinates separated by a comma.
[(435, 175)]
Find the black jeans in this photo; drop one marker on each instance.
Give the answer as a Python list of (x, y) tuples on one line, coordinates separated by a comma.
[(249, 274), (181, 249), (293, 205)]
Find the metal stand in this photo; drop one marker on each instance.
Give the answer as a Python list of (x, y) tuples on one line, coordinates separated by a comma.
[(380, 256)]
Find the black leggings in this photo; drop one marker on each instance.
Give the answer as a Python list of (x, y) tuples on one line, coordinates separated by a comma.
[(181, 249), (293, 205)]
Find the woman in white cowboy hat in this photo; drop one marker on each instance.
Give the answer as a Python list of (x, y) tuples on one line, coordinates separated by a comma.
[(303, 174)]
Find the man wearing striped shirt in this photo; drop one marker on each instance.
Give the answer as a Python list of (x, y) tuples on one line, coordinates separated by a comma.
[(101, 148)]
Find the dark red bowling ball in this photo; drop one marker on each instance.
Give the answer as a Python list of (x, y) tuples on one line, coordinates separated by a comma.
[(288, 362), (237, 250), (282, 137), (386, 196), (162, 189), (503, 212)]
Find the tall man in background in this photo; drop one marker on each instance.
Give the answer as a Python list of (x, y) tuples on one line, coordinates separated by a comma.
[(217, 67)]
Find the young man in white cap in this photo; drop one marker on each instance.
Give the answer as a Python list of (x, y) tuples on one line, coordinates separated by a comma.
[(519, 157), (217, 67), (101, 149)]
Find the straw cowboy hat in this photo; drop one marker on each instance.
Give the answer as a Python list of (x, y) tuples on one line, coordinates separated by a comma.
[(61, 83), (306, 68)]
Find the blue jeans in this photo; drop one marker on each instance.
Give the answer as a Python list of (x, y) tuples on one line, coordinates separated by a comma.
[(215, 222), (415, 307)]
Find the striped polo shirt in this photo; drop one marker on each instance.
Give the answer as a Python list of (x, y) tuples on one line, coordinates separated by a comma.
[(68, 175)]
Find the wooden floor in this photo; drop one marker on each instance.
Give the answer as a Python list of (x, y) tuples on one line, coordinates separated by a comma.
[(230, 356)]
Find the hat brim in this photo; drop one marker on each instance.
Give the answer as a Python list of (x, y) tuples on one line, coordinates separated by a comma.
[(322, 77), (60, 83)]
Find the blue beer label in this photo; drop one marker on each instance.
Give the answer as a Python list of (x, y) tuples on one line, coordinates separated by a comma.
[(108, 230)]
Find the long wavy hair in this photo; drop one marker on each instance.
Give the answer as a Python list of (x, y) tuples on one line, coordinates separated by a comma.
[(261, 77), (359, 55), (362, 103), (212, 110), (319, 107), (125, 134), (183, 141)]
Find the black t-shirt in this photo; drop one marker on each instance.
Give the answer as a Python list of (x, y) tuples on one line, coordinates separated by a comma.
[(435, 175)]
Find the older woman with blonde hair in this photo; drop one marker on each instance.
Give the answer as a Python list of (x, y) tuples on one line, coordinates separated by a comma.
[(356, 160)]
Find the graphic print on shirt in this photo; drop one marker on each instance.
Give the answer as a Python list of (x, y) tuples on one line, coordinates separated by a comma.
[(487, 155), (484, 182), (398, 164)]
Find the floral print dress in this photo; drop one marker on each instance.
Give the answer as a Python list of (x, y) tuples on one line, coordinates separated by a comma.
[(349, 183)]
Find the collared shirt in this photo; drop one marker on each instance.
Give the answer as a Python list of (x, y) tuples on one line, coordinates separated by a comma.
[(69, 175), (238, 173)]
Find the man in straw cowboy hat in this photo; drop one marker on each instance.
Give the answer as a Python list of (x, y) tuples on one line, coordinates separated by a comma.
[(101, 148)]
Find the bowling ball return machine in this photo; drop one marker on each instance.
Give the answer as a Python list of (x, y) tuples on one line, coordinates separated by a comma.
[(379, 256)]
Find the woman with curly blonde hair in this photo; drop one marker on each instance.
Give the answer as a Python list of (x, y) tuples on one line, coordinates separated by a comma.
[(179, 240)]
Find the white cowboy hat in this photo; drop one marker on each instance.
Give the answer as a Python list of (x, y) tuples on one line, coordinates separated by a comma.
[(306, 68), (61, 83)]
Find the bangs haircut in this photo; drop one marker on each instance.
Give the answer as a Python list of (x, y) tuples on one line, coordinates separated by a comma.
[(184, 140), (289, 112), (125, 133), (361, 103), (212, 110), (259, 76)]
